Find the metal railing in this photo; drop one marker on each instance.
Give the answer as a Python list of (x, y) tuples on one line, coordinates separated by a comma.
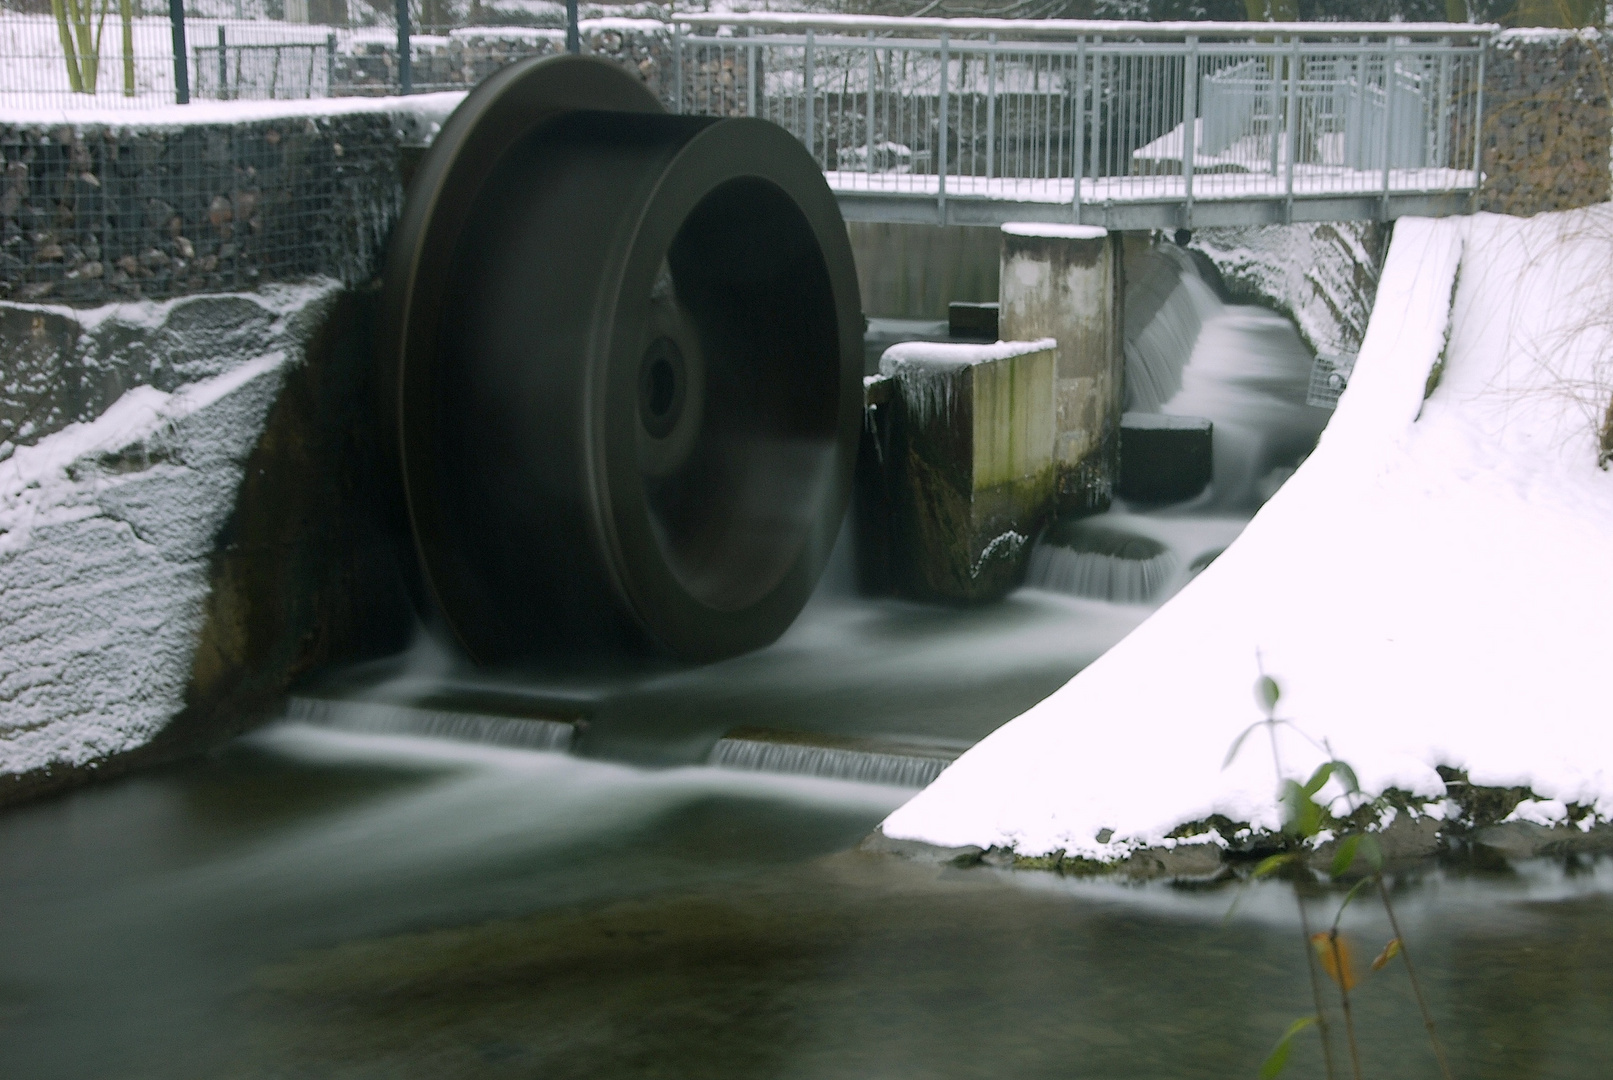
[(1200, 123)]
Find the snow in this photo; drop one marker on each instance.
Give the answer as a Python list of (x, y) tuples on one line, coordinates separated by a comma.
[(1429, 588), (428, 111), (107, 531), (1020, 28), (1054, 230), (1309, 180), (957, 353)]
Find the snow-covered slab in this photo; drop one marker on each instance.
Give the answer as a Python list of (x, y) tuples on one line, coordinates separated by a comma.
[(1431, 588)]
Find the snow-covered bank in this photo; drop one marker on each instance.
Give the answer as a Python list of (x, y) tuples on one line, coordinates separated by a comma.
[(1431, 588)]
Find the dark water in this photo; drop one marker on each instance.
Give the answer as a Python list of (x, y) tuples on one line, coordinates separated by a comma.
[(310, 904)]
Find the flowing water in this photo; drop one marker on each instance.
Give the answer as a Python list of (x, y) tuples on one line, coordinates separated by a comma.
[(557, 883), (320, 904)]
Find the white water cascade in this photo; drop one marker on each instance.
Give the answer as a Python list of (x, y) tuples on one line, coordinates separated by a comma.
[(1190, 354)]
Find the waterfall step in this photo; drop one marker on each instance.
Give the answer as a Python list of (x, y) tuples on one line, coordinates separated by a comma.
[(421, 720), (896, 761)]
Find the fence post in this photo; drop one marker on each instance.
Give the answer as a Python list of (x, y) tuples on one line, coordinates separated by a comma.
[(810, 124), (223, 65), (573, 31), (405, 50), (677, 67), (941, 140), (750, 76), (1190, 109), (330, 65), (176, 19)]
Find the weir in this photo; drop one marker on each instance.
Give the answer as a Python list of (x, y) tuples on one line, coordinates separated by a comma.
[(264, 621)]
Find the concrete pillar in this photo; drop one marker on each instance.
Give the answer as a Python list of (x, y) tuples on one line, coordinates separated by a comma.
[(1065, 282), (970, 466)]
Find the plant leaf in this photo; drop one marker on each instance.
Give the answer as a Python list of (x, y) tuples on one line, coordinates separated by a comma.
[(1303, 816), (1272, 862), (1266, 694), (1237, 744), (1390, 951), (1333, 950), (1372, 852), (1344, 858), (1346, 776), (1277, 1060), (1323, 773)]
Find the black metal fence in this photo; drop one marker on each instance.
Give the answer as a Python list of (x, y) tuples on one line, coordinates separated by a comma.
[(138, 54)]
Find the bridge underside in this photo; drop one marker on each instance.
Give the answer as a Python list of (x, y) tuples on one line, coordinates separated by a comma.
[(926, 208)]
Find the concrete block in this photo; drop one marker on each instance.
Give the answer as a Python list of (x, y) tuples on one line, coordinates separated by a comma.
[(970, 468), (966, 319), (1065, 282), (1164, 458)]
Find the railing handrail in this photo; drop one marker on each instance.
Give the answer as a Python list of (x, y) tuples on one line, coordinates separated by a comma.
[(791, 20)]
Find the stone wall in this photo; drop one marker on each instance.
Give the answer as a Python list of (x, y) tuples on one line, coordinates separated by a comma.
[(1548, 125), (175, 554)]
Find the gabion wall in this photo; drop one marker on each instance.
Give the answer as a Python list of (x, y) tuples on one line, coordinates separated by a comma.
[(1548, 128), (471, 55), (95, 213)]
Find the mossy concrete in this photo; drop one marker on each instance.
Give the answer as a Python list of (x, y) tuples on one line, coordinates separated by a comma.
[(971, 471)]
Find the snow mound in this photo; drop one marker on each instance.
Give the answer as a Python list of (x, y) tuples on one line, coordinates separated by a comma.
[(1430, 588)]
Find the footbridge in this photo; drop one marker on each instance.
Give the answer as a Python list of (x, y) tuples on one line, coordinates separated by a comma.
[(1124, 125)]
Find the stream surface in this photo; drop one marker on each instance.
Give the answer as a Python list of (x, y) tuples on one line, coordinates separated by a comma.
[(314, 904), (309, 903)]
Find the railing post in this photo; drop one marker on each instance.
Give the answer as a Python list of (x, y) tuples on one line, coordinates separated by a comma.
[(1291, 134), (1442, 123), (750, 76), (223, 65), (941, 147), (330, 65), (1478, 129), (573, 30), (405, 49), (873, 72), (1273, 118), (1080, 124), (176, 21), (1190, 109), (1388, 123), (811, 122), (991, 106)]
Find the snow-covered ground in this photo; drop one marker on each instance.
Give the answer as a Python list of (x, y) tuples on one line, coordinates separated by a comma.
[(1432, 587)]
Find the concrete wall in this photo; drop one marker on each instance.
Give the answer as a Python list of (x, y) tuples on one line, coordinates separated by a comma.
[(914, 271)]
